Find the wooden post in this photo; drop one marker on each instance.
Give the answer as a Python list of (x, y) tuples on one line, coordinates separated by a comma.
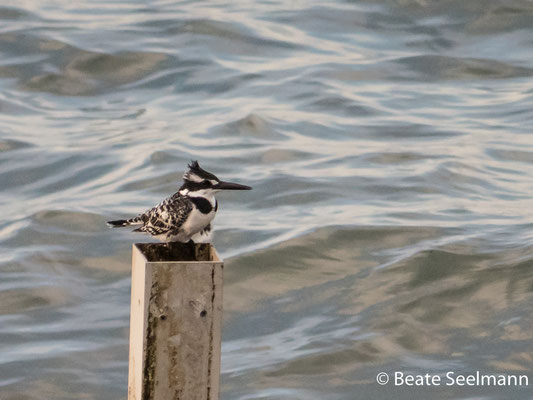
[(175, 322)]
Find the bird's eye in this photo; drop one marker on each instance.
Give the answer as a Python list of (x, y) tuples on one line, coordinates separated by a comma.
[(206, 183)]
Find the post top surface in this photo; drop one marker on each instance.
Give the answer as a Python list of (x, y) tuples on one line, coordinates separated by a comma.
[(176, 252)]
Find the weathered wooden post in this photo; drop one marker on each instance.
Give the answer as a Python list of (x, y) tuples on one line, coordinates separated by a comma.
[(175, 322)]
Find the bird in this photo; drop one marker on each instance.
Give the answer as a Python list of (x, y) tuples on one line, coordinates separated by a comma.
[(186, 215)]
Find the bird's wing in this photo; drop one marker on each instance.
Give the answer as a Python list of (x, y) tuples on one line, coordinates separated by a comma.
[(169, 215)]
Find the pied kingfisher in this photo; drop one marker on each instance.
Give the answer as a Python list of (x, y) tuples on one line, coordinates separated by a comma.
[(187, 214)]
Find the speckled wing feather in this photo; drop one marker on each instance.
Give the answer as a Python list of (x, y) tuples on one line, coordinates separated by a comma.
[(167, 217)]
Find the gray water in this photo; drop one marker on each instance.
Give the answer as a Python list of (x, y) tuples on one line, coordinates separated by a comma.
[(389, 146)]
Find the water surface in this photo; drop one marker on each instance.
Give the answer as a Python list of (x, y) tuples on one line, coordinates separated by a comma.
[(389, 147)]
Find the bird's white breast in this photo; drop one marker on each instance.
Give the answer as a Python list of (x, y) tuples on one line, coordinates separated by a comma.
[(197, 221)]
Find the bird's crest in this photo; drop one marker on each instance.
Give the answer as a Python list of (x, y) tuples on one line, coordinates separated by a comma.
[(198, 174)]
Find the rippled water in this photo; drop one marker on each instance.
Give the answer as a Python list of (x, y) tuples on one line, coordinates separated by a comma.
[(390, 226)]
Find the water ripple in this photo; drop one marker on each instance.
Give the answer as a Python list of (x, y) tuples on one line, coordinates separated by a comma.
[(389, 147)]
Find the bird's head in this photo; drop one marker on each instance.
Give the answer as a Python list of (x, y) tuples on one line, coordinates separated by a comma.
[(198, 182)]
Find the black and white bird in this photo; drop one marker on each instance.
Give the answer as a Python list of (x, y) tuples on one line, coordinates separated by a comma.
[(187, 214)]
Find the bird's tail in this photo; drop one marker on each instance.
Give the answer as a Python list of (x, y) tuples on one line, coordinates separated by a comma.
[(119, 223)]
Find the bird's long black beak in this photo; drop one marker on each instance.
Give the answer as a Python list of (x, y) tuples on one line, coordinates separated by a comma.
[(231, 186)]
